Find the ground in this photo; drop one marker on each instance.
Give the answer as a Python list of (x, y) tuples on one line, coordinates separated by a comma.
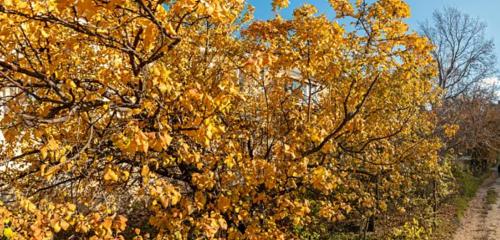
[(482, 220)]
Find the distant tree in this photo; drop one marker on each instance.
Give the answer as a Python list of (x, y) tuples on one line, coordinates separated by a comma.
[(478, 118), (465, 57), (465, 60)]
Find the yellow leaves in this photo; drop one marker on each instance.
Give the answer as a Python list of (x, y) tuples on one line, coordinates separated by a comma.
[(259, 171), (207, 131), (210, 224), (210, 130), (120, 223), (166, 194), (71, 207), (169, 197), (229, 161), (333, 212), (8, 3), (27, 205), (53, 151), (175, 196), (383, 206), (104, 227), (86, 7), (269, 59), (52, 145), (277, 4), (170, 29), (70, 84), (134, 140), (203, 180), (113, 175), (296, 210), (114, 3), (418, 43), (199, 199), (223, 203), (301, 208), (306, 11), (298, 169), (218, 11), (125, 175), (150, 35), (145, 171), (395, 8), (63, 4), (252, 64), (258, 60), (50, 172), (82, 226), (318, 177), (44, 33), (367, 202), (450, 130), (8, 233), (322, 179), (401, 210), (413, 229), (141, 142), (164, 87), (161, 141), (396, 29), (9, 134), (59, 224), (49, 218), (110, 175), (342, 8), (14, 3), (194, 94)]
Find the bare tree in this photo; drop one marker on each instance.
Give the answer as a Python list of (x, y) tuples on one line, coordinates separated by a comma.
[(463, 54)]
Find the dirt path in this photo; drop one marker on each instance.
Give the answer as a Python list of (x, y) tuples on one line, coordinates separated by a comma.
[(482, 221)]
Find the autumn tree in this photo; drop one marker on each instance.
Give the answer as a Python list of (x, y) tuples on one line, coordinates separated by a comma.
[(185, 119), (475, 118)]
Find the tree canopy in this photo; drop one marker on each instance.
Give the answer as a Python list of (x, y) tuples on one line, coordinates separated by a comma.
[(187, 119)]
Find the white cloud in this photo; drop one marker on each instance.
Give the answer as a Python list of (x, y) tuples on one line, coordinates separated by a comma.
[(493, 82)]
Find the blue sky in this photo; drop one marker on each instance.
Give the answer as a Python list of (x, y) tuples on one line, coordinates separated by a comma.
[(487, 10)]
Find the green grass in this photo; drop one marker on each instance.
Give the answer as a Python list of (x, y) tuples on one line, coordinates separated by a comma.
[(491, 196), (348, 236), (461, 203), (468, 186)]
